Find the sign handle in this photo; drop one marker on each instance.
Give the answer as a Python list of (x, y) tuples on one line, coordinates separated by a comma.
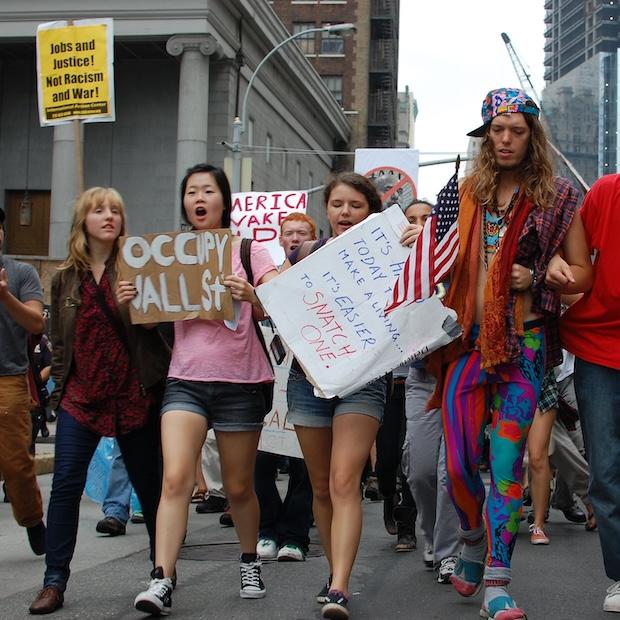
[(79, 160)]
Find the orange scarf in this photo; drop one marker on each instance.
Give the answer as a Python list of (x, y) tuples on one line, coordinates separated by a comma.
[(461, 295)]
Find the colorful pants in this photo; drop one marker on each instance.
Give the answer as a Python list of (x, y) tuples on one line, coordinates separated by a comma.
[(506, 397)]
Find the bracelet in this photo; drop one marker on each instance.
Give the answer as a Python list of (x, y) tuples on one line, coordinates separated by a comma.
[(533, 274)]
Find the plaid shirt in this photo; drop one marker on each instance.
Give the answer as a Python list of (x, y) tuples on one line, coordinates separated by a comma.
[(541, 238)]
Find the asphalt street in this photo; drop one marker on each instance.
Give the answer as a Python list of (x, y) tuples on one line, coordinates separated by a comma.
[(564, 581)]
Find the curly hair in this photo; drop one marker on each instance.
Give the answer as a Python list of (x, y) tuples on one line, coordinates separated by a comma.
[(79, 254), (536, 170)]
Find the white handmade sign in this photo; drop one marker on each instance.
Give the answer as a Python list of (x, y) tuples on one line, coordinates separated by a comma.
[(258, 215), (278, 435), (393, 171), (329, 309)]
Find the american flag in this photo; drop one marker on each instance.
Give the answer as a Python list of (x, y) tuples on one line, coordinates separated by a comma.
[(433, 253)]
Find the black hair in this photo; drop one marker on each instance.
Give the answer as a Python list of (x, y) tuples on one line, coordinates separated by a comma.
[(221, 180), (419, 201), (360, 184)]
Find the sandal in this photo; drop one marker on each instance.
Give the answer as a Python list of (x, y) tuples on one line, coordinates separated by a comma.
[(199, 496)]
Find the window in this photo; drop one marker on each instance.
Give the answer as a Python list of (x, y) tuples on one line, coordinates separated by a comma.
[(332, 43), (268, 145), (334, 84), (307, 41), (298, 174), (284, 164)]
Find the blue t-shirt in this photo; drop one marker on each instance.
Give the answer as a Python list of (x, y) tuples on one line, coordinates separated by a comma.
[(24, 284)]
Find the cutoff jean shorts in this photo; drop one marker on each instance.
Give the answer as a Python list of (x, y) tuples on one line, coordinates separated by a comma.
[(226, 406), (306, 409)]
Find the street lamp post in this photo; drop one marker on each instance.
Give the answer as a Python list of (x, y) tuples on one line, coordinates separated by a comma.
[(239, 124)]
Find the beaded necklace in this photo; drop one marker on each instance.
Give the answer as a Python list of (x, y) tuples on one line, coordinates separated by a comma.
[(494, 227)]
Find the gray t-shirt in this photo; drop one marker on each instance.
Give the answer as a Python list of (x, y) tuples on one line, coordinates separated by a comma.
[(25, 285)]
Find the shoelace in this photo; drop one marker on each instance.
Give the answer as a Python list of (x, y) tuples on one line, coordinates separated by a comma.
[(537, 531), (614, 588), (160, 587), (448, 564), (250, 575)]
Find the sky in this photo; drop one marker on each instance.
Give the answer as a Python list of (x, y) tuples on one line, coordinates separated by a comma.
[(450, 55)]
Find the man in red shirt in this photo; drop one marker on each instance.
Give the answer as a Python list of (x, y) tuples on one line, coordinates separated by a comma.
[(591, 330)]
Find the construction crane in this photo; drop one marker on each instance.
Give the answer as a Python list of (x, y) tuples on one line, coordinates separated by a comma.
[(525, 81)]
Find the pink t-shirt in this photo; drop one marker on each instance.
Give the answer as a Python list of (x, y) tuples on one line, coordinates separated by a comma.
[(209, 351)]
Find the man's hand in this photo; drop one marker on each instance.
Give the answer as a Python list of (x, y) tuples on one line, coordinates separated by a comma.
[(521, 278), (559, 273), (4, 285)]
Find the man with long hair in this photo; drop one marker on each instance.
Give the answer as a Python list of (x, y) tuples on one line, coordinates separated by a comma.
[(514, 216)]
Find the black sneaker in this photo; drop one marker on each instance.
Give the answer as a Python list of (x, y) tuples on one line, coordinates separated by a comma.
[(252, 585), (157, 600), (321, 597), (212, 504), (446, 568), (36, 538), (336, 606)]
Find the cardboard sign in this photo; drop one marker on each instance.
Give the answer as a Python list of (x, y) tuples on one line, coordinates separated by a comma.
[(329, 309), (393, 171), (75, 71), (178, 275), (258, 215), (278, 435)]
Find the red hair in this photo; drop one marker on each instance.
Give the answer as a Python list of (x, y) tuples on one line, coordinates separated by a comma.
[(300, 217)]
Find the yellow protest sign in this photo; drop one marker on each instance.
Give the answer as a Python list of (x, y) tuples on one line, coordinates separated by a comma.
[(75, 71)]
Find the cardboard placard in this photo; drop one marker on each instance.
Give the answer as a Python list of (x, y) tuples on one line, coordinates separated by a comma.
[(75, 73), (178, 275), (329, 309)]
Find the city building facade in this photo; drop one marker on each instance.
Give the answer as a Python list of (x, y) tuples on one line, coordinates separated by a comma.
[(580, 100), (181, 70), (407, 114), (361, 71)]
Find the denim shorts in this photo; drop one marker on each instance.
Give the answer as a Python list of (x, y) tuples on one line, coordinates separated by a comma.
[(306, 409), (226, 406)]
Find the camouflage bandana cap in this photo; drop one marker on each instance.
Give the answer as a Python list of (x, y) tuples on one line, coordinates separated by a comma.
[(504, 101)]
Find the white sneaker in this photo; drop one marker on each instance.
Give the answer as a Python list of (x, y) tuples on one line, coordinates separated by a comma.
[(252, 585), (157, 600), (612, 600), (266, 549), (427, 555), (291, 553)]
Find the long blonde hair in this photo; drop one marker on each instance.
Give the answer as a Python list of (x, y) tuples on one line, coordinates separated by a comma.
[(79, 255), (536, 171)]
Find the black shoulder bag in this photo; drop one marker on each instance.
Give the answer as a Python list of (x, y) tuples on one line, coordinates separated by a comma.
[(246, 262)]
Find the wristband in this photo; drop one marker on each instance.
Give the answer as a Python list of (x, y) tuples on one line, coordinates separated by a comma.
[(533, 274)]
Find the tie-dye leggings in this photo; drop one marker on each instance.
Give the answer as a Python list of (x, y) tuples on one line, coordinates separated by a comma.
[(507, 399)]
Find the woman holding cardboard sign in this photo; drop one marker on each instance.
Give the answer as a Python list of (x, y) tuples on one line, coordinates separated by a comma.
[(336, 434), (106, 373), (217, 378)]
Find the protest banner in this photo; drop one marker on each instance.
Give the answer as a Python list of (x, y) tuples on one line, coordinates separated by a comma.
[(393, 171), (258, 215), (278, 435), (75, 71), (329, 309), (178, 275)]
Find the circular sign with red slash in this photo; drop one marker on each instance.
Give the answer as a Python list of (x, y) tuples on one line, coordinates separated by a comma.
[(394, 185)]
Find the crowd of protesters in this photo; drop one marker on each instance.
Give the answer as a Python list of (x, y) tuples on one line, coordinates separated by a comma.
[(534, 290)]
